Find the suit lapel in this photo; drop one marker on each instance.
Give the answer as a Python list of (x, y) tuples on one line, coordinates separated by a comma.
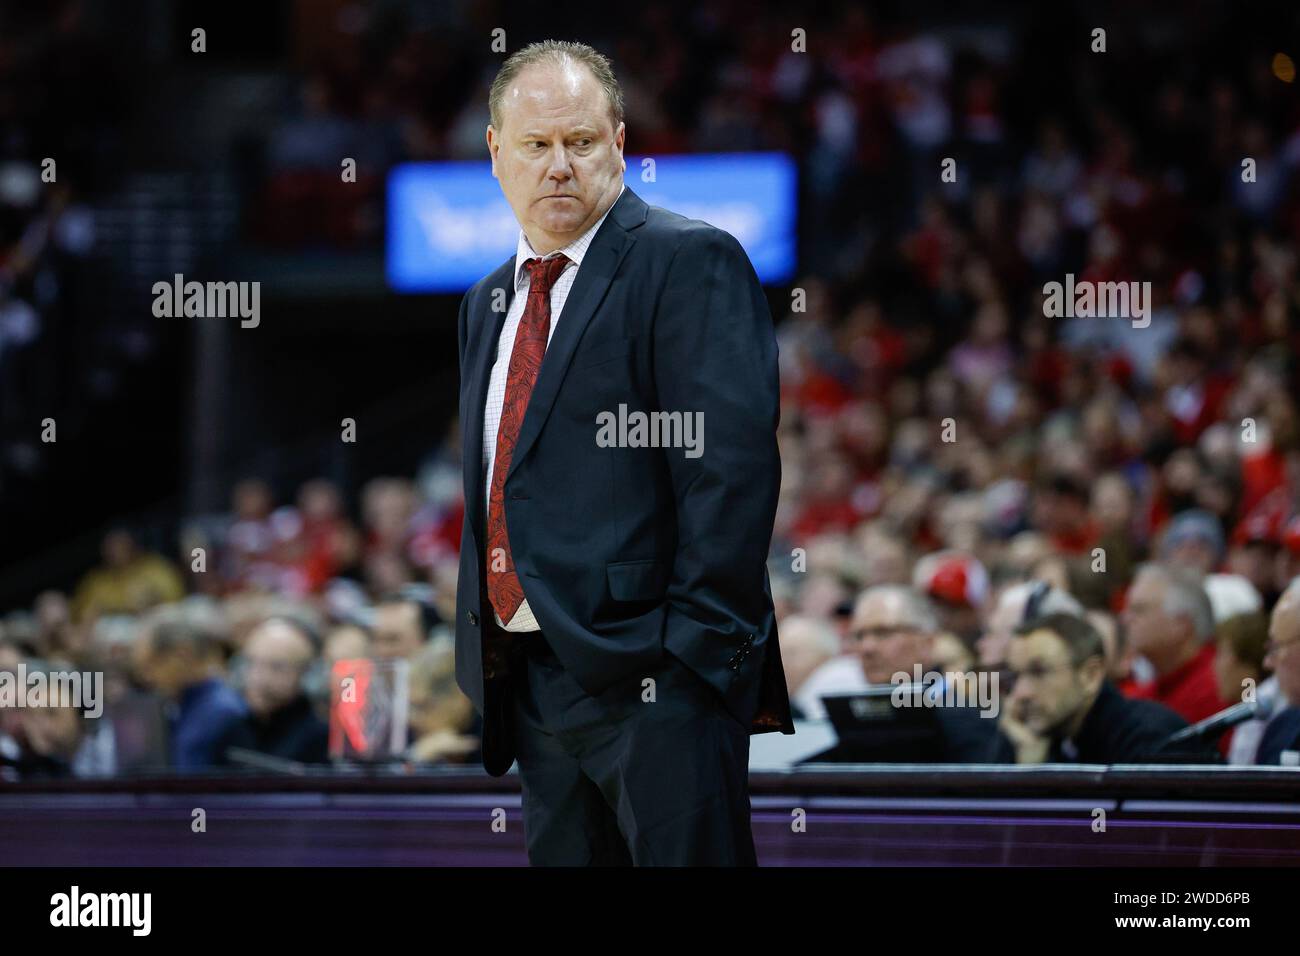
[(485, 332), (601, 261), (599, 265)]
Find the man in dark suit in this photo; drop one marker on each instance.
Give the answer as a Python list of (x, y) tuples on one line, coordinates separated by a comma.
[(1060, 707), (281, 721), (1280, 742), (615, 625)]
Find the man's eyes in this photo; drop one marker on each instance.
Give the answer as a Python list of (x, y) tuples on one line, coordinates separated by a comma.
[(537, 142)]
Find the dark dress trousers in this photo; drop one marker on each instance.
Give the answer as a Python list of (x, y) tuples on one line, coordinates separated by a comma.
[(637, 562)]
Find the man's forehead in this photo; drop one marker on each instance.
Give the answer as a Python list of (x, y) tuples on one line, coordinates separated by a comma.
[(272, 637), (1290, 599), (1041, 644), (1286, 615), (1010, 608), (544, 126), (1147, 584), (396, 614), (551, 93), (881, 609)]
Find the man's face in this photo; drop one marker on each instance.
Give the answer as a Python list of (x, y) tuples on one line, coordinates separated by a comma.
[(1149, 627), (118, 549), (398, 632), (1284, 645), (166, 672), (252, 500), (1112, 504), (887, 642), (1231, 672), (275, 656), (346, 642), (1047, 690), (1254, 560), (557, 155), (1193, 553)]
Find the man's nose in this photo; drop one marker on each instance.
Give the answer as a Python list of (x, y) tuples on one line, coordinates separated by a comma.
[(560, 167)]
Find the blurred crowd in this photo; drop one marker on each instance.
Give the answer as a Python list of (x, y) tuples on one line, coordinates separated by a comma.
[(941, 434), (1105, 514), (227, 653)]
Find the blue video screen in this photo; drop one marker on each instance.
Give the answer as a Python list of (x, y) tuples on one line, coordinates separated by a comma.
[(449, 225)]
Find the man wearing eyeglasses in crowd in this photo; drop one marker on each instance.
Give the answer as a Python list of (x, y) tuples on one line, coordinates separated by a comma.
[(893, 629), (1060, 708), (1280, 743)]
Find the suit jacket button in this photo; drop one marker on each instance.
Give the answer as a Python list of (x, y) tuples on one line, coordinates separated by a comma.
[(472, 618)]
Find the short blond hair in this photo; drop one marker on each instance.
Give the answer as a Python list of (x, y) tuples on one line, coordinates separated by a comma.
[(558, 53)]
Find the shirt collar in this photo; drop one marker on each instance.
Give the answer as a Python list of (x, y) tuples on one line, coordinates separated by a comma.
[(574, 250)]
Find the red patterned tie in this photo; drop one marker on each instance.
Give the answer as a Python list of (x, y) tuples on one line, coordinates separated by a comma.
[(503, 587)]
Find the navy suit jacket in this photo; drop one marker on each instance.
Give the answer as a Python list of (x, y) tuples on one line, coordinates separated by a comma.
[(1281, 733), (627, 552)]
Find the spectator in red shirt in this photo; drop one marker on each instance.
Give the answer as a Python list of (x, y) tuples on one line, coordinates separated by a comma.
[(1170, 623), (829, 505)]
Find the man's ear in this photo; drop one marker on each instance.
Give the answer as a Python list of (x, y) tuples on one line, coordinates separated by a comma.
[(620, 136), (1093, 672), (494, 146)]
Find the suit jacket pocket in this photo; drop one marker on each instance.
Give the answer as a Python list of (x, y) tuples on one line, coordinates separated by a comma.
[(602, 352), (636, 580)]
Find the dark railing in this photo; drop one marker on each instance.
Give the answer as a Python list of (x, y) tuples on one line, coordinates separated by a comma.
[(1122, 781), (830, 815)]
